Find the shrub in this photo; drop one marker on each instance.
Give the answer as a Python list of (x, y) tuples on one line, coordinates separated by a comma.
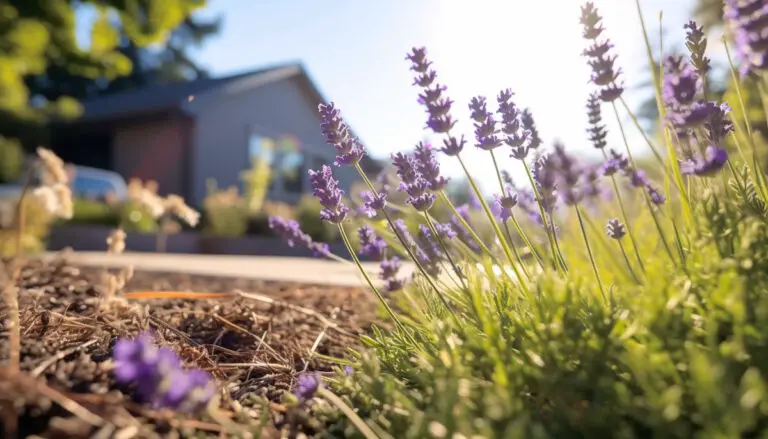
[(37, 223), (225, 213), (258, 222), (94, 212), (307, 215)]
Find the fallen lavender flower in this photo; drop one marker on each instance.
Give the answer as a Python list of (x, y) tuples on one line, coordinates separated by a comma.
[(158, 376), (292, 234), (308, 385)]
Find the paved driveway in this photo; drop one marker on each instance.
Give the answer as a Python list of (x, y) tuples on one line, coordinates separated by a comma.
[(254, 267)]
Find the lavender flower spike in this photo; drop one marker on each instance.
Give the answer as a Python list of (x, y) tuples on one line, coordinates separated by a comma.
[(438, 106), (604, 74), (292, 234), (371, 245), (511, 125), (596, 130), (326, 188), (372, 203), (486, 133), (425, 162), (615, 229), (413, 183), (749, 21), (349, 151)]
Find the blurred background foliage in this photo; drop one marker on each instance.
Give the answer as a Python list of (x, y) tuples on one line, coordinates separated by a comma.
[(45, 70)]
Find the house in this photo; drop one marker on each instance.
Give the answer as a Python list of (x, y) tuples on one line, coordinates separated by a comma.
[(183, 134)]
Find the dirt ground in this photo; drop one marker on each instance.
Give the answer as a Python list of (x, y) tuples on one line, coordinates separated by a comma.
[(254, 337)]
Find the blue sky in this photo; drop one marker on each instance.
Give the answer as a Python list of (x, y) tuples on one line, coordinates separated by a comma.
[(355, 50)]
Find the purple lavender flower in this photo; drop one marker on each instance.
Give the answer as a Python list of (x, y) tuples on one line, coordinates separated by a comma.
[(326, 189), (529, 126), (604, 74), (504, 204), (657, 197), (429, 264), (749, 21), (545, 176), (438, 107), (413, 183), (596, 130), (713, 161), (718, 126), (371, 245), (696, 42), (461, 231), (372, 203), (291, 233), (426, 164), (159, 377), (389, 269), (486, 133), (349, 151), (511, 125), (349, 371), (308, 385), (615, 229)]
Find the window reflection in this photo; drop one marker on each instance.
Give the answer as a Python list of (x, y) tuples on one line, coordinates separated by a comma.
[(283, 155)]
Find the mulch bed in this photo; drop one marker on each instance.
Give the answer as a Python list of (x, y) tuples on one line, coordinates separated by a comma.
[(254, 346)]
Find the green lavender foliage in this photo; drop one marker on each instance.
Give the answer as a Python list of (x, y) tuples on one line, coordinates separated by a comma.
[(675, 347)]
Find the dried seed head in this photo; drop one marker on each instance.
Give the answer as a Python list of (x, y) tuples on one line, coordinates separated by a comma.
[(53, 167), (152, 186), (176, 205), (116, 241), (150, 201), (55, 199), (64, 195)]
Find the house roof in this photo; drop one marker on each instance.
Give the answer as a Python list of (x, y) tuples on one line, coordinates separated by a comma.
[(158, 97), (161, 97)]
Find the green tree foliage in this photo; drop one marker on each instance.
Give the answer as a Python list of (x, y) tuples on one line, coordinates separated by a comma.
[(44, 71)]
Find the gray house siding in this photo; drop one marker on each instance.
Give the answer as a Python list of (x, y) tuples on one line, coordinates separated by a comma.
[(227, 116)]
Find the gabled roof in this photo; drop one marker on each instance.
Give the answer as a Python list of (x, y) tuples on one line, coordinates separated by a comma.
[(163, 97), (158, 97)]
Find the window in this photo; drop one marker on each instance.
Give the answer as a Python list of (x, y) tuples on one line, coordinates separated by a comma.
[(291, 163), (92, 188), (261, 151)]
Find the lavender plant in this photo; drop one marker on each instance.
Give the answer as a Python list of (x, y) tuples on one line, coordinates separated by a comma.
[(651, 325)]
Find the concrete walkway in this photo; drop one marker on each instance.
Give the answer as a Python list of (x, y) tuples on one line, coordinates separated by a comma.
[(304, 270)]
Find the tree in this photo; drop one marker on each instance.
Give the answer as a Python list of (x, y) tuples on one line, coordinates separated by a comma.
[(39, 37)]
